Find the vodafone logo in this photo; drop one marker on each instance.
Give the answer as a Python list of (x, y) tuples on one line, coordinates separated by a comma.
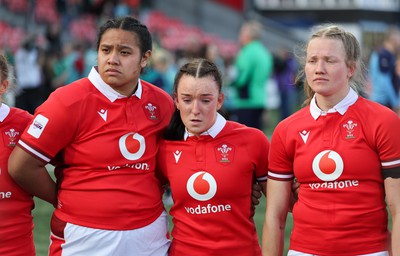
[(328, 165), (201, 186), (132, 146)]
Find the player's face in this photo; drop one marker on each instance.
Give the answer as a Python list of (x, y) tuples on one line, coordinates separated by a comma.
[(326, 69), (198, 101), (120, 61)]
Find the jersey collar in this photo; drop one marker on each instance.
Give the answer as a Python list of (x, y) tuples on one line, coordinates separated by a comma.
[(111, 94), (341, 107), (214, 130), (4, 111)]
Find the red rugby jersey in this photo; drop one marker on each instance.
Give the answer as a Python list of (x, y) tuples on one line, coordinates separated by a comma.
[(16, 225), (104, 148), (211, 181), (338, 158)]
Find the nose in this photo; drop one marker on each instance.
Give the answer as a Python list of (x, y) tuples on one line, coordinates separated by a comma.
[(195, 107), (319, 67), (113, 58)]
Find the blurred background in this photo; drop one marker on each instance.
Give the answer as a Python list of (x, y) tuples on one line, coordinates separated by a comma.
[(60, 36)]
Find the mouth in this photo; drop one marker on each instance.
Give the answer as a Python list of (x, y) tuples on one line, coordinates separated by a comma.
[(319, 79), (195, 120), (112, 71)]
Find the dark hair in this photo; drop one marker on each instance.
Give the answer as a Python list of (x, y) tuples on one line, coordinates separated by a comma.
[(4, 68), (197, 68), (129, 24)]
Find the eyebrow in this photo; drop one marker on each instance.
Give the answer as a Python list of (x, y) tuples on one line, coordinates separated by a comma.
[(119, 46)]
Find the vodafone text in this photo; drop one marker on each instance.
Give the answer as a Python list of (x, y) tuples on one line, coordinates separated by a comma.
[(136, 166), (335, 184), (5, 195), (208, 209)]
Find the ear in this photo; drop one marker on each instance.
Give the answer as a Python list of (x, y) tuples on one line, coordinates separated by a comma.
[(4, 86), (351, 69), (220, 102), (145, 59), (176, 100)]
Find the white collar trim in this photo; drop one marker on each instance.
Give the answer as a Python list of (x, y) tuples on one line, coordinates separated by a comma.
[(341, 107), (214, 130), (107, 90), (4, 111)]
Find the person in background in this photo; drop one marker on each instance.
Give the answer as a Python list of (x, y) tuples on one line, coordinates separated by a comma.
[(382, 72), (285, 69), (251, 70), (16, 225), (101, 133), (29, 63), (344, 151), (210, 168)]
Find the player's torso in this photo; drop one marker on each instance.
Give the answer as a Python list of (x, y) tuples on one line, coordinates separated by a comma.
[(211, 181)]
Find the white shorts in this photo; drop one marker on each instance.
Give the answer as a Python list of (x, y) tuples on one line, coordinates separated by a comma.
[(296, 253), (83, 241)]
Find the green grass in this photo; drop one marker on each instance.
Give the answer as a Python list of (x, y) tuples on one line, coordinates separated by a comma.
[(43, 210)]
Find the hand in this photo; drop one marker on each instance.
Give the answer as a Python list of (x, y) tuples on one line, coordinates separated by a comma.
[(295, 189), (294, 195), (256, 194)]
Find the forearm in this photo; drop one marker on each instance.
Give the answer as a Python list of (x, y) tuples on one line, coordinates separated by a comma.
[(395, 245), (38, 183), (32, 175), (273, 238), (278, 194)]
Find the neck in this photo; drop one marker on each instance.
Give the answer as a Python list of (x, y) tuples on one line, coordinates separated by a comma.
[(327, 102)]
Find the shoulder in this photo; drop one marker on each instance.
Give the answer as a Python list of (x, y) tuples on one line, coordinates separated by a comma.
[(373, 110), (20, 116), (75, 90), (151, 90), (301, 116), (241, 130)]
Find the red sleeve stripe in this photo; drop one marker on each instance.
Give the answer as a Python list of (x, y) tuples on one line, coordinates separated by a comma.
[(33, 151), (391, 163), (287, 176)]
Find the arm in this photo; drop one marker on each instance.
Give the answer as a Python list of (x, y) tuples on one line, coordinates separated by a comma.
[(31, 174), (278, 197), (392, 190)]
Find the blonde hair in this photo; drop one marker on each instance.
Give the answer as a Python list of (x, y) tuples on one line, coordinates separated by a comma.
[(352, 54)]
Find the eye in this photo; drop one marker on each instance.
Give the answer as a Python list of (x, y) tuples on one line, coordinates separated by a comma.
[(105, 50), (125, 53)]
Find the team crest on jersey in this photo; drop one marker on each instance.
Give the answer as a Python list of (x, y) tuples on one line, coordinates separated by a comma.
[(152, 111), (11, 137), (224, 153), (350, 129)]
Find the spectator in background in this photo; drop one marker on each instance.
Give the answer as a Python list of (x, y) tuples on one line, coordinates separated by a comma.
[(16, 225), (252, 69), (396, 80), (73, 58), (382, 62), (161, 70), (29, 74), (285, 70)]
